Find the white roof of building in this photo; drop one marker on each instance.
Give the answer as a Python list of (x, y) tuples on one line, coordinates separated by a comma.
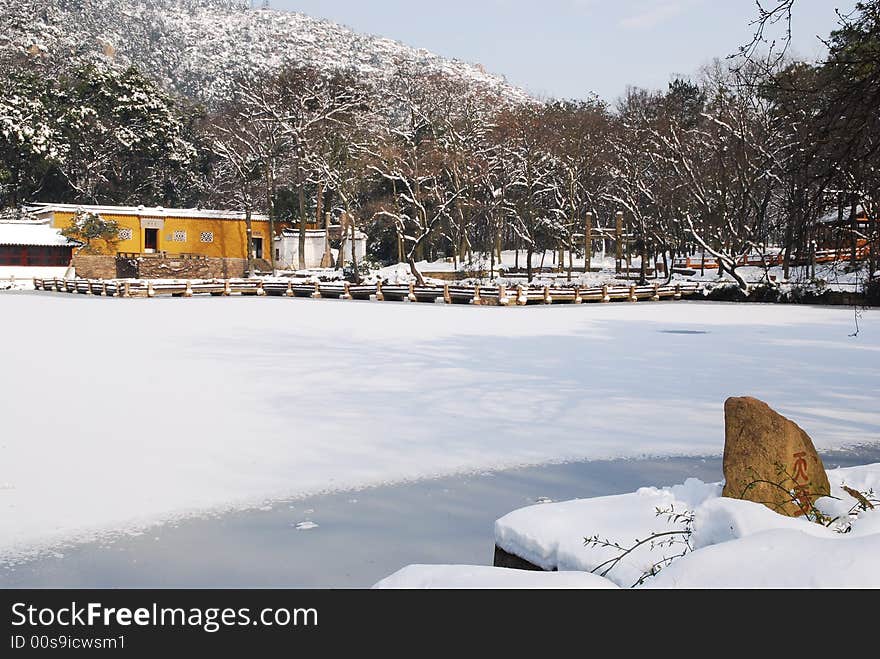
[(33, 234), (145, 211), (287, 232), (831, 216)]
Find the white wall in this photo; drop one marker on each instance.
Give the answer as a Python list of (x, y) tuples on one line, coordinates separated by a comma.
[(288, 250), (360, 248)]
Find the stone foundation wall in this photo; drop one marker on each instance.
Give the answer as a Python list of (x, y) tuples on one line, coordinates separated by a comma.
[(201, 268), (95, 266), (91, 266)]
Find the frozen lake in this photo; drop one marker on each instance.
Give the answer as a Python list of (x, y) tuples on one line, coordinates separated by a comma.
[(360, 537), (118, 415)]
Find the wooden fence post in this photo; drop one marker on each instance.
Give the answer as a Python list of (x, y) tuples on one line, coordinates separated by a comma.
[(346, 287), (260, 289), (289, 291), (188, 291), (317, 294), (227, 289), (632, 294), (411, 296), (547, 298), (151, 292), (677, 295), (380, 296), (503, 300), (656, 296), (476, 299), (447, 298), (577, 295), (521, 298), (605, 296)]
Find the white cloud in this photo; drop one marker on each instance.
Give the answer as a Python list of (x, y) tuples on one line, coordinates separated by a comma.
[(652, 16)]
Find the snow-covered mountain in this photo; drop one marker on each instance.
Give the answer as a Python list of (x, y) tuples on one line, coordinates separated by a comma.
[(195, 46)]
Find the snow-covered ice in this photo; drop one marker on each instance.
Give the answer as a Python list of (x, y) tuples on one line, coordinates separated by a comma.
[(121, 413)]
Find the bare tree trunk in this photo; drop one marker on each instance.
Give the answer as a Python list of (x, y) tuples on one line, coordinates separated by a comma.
[(570, 260), (853, 226), (667, 267), (302, 227), (529, 252), (327, 258), (354, 263), (420, 281), (270, 202), (618, 247), (588, 241), (249, 232), (491, 263), (643, 257)]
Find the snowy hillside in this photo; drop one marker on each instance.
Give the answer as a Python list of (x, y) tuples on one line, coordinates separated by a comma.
[(196, 46)]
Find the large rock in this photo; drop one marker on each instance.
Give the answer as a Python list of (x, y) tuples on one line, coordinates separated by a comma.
[(766, 457)]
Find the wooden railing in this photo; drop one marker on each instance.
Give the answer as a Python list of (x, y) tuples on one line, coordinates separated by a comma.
[(830, 255), (450, 294)]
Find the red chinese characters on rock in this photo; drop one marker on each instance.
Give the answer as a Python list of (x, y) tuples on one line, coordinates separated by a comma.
[(803, 497)]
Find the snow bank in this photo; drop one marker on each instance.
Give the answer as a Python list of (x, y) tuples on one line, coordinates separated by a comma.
[(781, 558), (121, 413), (736, 543), (22, 278), (551, 536), (482, 576)]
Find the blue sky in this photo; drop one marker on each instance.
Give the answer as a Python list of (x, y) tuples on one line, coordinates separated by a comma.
[(569, 48)]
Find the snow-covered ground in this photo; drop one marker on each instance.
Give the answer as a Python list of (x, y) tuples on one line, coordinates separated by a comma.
[(22, 278), (484, 576), (731, 543), (833, 276), (119, 413)]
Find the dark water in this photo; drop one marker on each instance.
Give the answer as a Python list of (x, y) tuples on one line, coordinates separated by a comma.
[(361, 536)]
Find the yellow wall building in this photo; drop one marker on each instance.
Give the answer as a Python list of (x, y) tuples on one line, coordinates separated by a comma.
[(145, 230)]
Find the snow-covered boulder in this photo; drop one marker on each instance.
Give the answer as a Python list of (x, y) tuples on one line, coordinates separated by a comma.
[(551, 536)]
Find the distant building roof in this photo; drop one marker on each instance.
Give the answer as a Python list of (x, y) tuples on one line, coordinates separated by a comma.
[(144, 211), (831, 216), (32, 233)]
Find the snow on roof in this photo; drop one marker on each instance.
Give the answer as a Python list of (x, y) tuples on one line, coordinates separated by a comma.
[(831, 216), (145, 211), (33, 234)]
